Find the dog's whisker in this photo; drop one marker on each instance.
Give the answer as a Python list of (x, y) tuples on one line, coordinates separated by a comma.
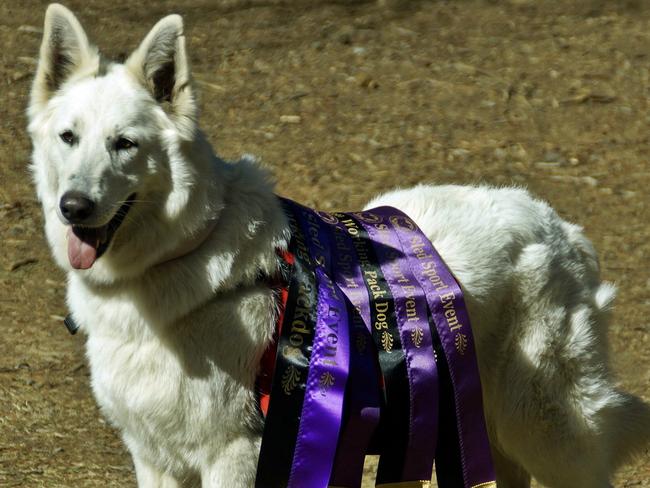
[(119, 203)]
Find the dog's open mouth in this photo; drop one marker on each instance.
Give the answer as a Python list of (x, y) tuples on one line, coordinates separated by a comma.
[(87, 244)]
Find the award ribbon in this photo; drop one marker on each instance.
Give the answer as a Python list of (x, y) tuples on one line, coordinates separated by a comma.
[(445, 299), (363, 400), (395, 414), (412, 315), (322, 409), (292, 365), (368, 292)]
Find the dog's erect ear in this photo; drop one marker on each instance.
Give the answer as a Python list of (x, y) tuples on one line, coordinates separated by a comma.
[(65, 51), (160, 63)]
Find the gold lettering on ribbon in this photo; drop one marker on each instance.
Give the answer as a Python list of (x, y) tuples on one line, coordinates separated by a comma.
[(460, 341), (387, 341), (291, 352), (403, 222), (367, 217), (430, 272), (325, 382), (373, 283), (451, 316), (300, 328), (290, 380), (381, 309), (327, 217), (416, 336)]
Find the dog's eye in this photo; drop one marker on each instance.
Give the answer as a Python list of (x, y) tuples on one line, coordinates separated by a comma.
[(67, 137), (123, 144)]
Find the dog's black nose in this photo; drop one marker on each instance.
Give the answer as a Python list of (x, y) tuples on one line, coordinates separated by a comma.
[(76, 207)]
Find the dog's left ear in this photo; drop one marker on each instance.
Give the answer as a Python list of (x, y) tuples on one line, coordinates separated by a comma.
[(161, 65)]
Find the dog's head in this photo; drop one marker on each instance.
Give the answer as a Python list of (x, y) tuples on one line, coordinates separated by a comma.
[(116, 148)]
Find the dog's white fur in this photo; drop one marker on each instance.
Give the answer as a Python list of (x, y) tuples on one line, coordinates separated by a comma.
[(177, 321)]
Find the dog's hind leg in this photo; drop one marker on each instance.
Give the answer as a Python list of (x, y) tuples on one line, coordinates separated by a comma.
[(560, 415)]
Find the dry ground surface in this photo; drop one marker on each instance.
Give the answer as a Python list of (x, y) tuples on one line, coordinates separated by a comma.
[(341, 100)]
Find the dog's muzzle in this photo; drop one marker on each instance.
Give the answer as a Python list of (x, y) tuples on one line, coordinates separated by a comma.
[(87, 244)]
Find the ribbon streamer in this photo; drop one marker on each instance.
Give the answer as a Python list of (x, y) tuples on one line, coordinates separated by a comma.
[(368, 289)]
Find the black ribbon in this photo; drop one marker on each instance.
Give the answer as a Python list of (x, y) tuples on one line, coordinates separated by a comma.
[(291, 368), (393, 429)]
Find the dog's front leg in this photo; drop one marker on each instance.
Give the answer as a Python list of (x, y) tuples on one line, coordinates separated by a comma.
[(235, 466), (149, 477)]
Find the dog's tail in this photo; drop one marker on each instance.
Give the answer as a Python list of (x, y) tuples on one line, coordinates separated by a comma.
[(628, 428)]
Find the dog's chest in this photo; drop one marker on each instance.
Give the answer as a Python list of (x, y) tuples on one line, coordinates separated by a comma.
[(143, 390), (133, 377), (170, 397)]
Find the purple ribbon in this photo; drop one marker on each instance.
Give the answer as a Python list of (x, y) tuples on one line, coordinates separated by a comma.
[(363, 393), (445, 299), (420, 283), (417, 343), (322, 409)]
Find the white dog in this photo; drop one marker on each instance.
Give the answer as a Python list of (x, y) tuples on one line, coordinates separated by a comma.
[(164, 242)]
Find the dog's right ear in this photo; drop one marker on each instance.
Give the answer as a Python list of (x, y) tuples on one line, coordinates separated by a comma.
[(65, 51)]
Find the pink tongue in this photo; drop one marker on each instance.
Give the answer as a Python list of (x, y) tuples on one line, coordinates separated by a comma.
[(81, 254)]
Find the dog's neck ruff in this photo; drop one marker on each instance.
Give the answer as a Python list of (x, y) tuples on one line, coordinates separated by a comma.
[(190, 245), (374, 354)]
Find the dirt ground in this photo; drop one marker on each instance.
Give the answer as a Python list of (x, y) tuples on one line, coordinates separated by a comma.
[(342, 100)]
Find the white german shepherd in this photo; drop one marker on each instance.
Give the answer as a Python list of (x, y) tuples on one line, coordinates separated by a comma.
[(164, 244)]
